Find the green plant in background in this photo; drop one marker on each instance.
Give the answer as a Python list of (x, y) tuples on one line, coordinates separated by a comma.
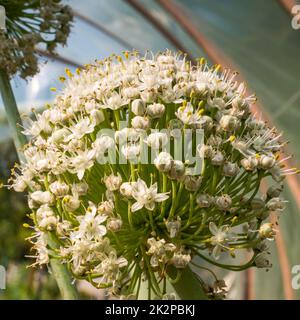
[(31, 25), (117, 221)]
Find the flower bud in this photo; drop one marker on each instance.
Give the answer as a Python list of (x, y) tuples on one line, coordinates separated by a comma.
[(106, 208), (46, 218), (42, 197), (173, 227), (157, 140), (97, 116), (163, 162), (250, 163), (275, 191), (19, 184), (205, 151), (230, 169), (266, 231), (126, 189), (276, 204), (204, 200), (59, 135), (180, 260), (257, 204), (62, 228), (148, 95), (206, 123), (131, 151), (262, 261), (71, 203), (217, 158), (127, 135), (229, 123), (113, 182), (155, 110), (266, 162), (80, 188), (192, 183), (139, 122), (223, 202), (177, 169), (59, 188), (114, 224), (138, 107)]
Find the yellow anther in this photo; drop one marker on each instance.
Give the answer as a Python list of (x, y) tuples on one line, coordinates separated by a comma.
[(200, 104), (26, 225), (201, 111), (234, 219), (126, 54), (62, 79), (218, 67), (257, 155), (53, 89), (78, 71), (68, 72), (192, 93), (184, 103), (202, 61), (232, 138)]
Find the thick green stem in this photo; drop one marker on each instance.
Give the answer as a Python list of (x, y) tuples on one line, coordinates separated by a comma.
[(59, 270), (188, 287), (63, 279), (12, 113)]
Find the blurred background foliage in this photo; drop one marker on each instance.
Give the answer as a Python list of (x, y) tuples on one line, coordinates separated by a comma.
[(254, 37)]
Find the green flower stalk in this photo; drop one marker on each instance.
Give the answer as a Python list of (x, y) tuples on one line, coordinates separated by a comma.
[(142, 164)]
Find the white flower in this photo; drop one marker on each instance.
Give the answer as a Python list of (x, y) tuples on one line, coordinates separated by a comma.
[(110, 267), (157, 140), (160, 251), (146, 197), (91, 224), (113, 182), (187, 116), (266, 231), (131, 151), (102, 144), (139, 122), (114, 101), (81, 128), (81, 162), (71, 203), (220, 238), (155, 110), (59, 188)]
